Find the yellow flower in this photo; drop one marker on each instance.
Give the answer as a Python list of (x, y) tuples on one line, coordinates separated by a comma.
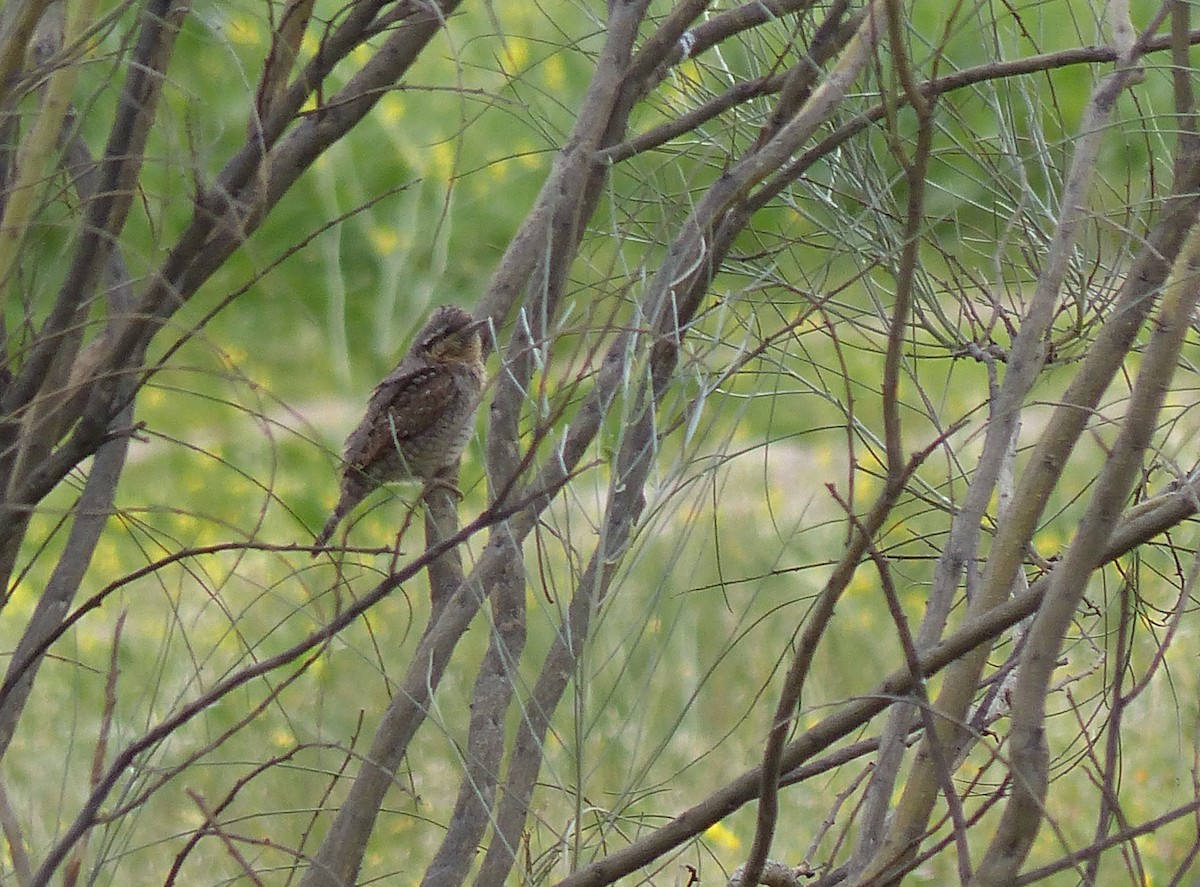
[(689, 71), (383, 240), (722, 836), (244, 31), (530, 159), (516, 53), (442, 161), (234, 357), (391, 108), (556, 72)]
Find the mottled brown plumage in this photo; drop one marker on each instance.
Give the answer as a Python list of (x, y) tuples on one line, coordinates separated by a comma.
[(420, 416)]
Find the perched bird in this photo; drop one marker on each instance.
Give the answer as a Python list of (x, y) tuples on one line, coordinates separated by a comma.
[(420, 416)]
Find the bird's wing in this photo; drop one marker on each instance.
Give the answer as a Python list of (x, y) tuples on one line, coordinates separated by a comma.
[(405, 405)]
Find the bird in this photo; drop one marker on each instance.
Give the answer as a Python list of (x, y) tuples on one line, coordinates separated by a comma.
[(419, 417)]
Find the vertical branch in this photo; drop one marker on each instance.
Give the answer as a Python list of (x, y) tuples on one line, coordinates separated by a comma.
[(897, 475), (892, 743), (914, 176), (1030, 759), (229, 211), (25, 440), (1118, 705), (18, 19), (286, 38), (491, 698), (106, 213), (92, 512), (1013, 535), (1181, 80), (95, 503), (14, 838), (670, 301), (554, 219), (37, 147)]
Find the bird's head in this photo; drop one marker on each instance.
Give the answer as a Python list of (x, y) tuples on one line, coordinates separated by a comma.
[(452, 336)]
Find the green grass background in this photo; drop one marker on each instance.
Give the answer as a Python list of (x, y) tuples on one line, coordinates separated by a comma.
[(677, 688)]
